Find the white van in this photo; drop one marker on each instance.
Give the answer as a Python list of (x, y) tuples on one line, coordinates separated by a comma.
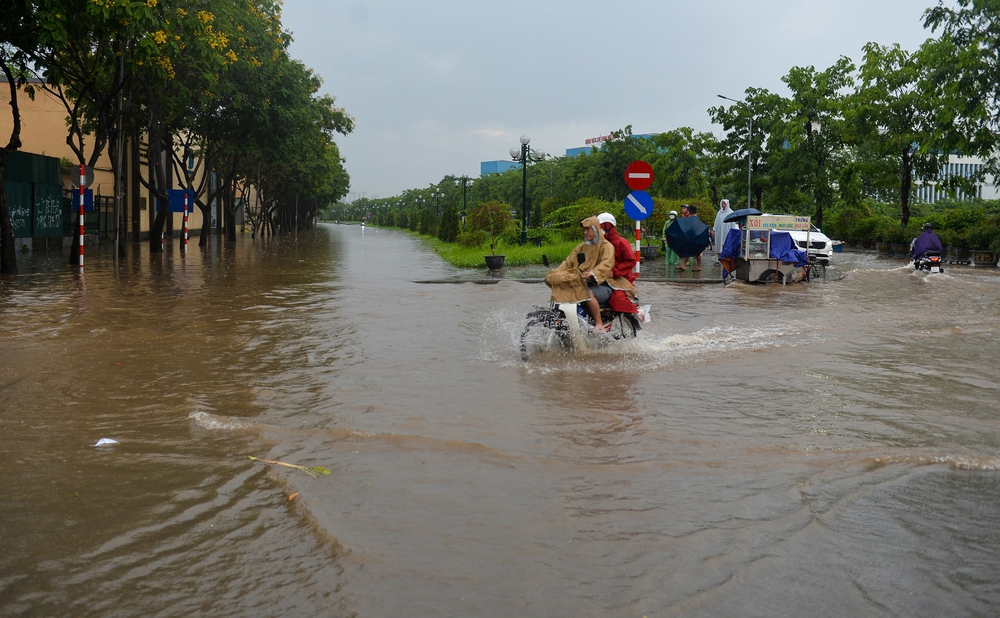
[(820, 247)]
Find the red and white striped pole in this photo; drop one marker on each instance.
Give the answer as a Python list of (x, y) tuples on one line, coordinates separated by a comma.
[(638, 237), (185, 247), (83, 183)]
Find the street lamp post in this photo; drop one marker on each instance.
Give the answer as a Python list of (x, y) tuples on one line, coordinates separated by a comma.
[(463, 182), (749, 144), (437, 195), (523, 155)]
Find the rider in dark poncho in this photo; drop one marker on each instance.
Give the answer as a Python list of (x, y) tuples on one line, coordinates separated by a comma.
[(928, 242)]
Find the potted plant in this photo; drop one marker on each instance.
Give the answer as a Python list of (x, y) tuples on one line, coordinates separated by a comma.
[(493, 218)]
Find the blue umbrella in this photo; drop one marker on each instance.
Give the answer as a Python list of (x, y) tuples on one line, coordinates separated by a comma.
[(688, 236), (739, 214)]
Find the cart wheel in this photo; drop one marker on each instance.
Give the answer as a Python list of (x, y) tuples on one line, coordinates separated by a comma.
[(767, 276), (818, 271)]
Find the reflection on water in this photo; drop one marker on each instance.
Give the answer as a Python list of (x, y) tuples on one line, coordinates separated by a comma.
[(830, 448)]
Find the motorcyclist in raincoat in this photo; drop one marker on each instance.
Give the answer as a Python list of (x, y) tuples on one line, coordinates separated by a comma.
[(623, 274), (576, 281), (928, 242)]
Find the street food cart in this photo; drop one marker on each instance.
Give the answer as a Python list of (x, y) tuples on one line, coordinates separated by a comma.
[(766, 252)]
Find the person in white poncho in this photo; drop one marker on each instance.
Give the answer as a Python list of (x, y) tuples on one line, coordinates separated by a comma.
[(721, 227)]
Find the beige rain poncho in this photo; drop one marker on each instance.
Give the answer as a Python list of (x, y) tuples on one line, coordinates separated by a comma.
[(567, 281)]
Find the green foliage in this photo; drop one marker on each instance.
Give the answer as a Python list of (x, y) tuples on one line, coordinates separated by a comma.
[(472, 238), (428, 223), (569, 217), (516, 255), (448, 230), (493, 218)]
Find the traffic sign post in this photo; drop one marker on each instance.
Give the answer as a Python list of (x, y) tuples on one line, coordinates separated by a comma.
[(185, 246), (638, 206), (83, 187)]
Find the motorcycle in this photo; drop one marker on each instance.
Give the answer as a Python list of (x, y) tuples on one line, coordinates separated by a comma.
[(569, 325), (930, 262)]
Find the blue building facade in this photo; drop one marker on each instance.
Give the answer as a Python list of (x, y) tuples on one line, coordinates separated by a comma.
[(497, 167)]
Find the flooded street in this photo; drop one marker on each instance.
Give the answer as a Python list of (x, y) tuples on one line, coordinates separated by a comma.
[(815, 449)]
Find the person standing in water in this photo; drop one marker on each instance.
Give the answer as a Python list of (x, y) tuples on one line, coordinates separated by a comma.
[(671, 256), (721, 227)]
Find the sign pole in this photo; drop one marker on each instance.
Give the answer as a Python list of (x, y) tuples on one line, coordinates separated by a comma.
[(638, 252), (638, 204), (83, 183), (185, 247)]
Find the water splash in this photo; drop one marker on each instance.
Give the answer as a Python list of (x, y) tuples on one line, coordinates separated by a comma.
[(213, 422)]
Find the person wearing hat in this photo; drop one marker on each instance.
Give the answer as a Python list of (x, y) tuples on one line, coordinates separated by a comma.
[(584, 281), (928, 242), (624, 255), (671, 256), (622, 275)]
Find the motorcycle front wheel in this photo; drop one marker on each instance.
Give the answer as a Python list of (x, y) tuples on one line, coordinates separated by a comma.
[(537, 337)]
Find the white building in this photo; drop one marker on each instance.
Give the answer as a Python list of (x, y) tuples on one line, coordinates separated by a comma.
[(958, 166)]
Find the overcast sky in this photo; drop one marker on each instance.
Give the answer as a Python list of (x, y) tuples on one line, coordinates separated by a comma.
[(437, 86)]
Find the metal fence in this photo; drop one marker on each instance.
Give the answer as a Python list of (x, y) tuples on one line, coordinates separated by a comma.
[(100, 221)]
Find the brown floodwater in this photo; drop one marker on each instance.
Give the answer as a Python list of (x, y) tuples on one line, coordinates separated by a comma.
[(816, 449)]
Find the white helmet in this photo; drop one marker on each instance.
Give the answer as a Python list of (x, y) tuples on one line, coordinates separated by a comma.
[(607, 217)]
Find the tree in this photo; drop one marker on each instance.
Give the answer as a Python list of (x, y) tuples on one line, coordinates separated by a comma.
[(964, 68), (18, 38), (492, 217), (765, 111), (814, 133), (894, 115), (448, 230), (680, 161)]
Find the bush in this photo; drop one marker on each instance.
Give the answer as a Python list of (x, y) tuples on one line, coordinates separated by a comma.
[(473, 238), (569, 217), (980, 237), (493, 218)]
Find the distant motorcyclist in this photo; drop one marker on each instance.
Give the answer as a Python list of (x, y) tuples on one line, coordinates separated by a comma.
[(928, 242)]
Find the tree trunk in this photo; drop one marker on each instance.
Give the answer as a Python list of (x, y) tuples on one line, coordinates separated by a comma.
[(206, 224), (8, 254)]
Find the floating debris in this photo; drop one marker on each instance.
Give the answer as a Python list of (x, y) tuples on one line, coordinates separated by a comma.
[(315, 472)]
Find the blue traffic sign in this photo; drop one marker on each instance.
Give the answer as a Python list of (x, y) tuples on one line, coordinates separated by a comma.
[(88, 199), (638, 205)]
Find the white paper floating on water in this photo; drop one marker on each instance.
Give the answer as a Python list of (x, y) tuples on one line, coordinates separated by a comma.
[(106, 442)]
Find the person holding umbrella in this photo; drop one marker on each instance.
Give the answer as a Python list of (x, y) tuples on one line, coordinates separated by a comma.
[(688, 236), (667, 251), (691, 211)]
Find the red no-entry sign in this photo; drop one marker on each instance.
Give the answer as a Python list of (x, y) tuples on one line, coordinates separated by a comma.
[(638, 175)]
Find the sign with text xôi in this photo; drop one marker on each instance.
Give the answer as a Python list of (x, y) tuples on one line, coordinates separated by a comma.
[(638, 205), (778, 222), (638, 175)]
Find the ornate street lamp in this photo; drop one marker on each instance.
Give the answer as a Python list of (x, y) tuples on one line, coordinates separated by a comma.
[(464, 182), (437, 195), (524, 155), (749, 144)]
